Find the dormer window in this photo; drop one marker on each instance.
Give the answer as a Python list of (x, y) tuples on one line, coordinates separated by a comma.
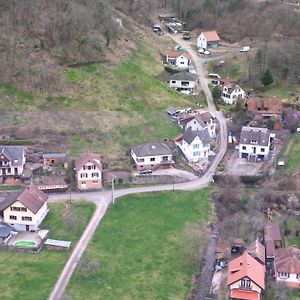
[(246, 283)]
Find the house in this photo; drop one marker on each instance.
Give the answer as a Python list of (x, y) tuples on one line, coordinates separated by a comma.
[(194, 144), (88, 170), (264, 108), (178, 59), (52, 159), (255, 143), (257, 251), (200, 121), (287, 266), (273, 240), (150, 156), (227, 80), (231, 92), (184, 82), (208, 39), (12, 161), (52, 183), (245, 278), (25, 210)]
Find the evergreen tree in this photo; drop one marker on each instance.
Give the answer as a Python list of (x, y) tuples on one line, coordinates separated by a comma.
[(267, 78)]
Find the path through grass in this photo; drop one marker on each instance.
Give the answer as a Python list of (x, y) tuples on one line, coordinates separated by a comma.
[(139, 246)]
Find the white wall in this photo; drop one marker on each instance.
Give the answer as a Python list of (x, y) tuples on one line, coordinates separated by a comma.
[(147, 159), (195, 125), (249, 149), (231, 98), (178, 84), (254, 286), (201, 41), (195, 151), (292, 278)]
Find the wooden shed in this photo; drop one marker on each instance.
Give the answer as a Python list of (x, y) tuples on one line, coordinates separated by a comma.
[(57, 245)]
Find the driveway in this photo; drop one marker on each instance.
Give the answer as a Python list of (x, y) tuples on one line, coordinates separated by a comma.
[(176, 172), (103, 199)]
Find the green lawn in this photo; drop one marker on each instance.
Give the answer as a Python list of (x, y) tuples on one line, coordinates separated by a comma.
[(141, 250), (32, 276), (278, 91), (293, 162), (10, 187)]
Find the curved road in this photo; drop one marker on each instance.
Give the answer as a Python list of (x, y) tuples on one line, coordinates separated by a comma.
[(103, 199)]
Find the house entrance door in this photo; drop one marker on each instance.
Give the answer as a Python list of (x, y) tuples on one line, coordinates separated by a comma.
[(27, 227)]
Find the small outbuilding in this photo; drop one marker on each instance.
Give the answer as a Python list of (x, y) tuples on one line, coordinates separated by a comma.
[(57, 245)]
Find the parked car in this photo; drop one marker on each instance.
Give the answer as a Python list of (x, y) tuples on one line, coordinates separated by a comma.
[(206, 52), (146, 172), (214, 76), (186, 36), (245, 49), (201, 51)]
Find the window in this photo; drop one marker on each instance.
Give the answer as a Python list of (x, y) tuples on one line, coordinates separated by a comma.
[(283, 275), (95, 181), (244, 147), (15, 208), (262, 149), (173, 81), (196, 146), (246, 283), (83, 175), (165, 158), (13, 217), (23, 209), (95, 175), (298, 276), (152, 158), (83, 182), (83, 167), (89, 167), (196, 153), (182, 62), (141, 160), (26, 219)]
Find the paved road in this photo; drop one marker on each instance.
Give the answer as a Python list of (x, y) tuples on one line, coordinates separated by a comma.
[(103, 199)]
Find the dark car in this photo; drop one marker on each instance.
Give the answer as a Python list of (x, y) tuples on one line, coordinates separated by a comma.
[(186, 36)]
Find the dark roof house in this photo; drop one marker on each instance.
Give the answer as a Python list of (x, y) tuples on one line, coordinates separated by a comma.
[(31, 197), (14, 154), (255, 135), (151, 149), (264, 106), (190, 135), (184, 76)]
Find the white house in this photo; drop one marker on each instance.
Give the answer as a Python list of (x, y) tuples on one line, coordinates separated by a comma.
[(184, 82), (25, 210), (150, 156), (287, 266), (208, 39), (231, 92), (255, 143), (200, 121), (195, 145), (88, 171), (12, 161), (178, 59)]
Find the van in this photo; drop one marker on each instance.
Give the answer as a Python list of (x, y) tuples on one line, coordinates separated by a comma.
[(245, 49)]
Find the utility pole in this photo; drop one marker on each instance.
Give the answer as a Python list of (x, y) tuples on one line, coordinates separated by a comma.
[(113, 188)]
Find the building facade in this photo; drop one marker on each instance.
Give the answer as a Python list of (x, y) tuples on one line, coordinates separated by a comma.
[(231, 93), (12, 161), (88, 170), (208, 39), (184, 82)]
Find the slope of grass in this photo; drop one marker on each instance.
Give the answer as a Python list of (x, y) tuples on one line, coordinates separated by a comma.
[(293, 162), (139, 248), (32, 276)]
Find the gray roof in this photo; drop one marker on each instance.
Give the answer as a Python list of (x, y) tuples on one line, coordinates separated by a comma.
[(54, 155), (58, 243), (189, 135), (151, 149), (14, 154), (184, 76), (5, 230), (255, 136)]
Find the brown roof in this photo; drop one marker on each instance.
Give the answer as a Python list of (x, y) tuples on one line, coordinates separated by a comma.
[(86, 157), (53, 180), (175, 54), (257, 251), (263, 105), (287, 260), (254, 135), (31, 197), (246, 266), (271, 234), (227, 81), (211, 36)]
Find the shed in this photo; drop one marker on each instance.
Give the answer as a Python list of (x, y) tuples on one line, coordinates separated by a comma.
[(57, 244)]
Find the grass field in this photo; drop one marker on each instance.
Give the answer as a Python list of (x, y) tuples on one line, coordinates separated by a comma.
[(10, 187), (105, 109), (139, 246), (32, 276), (293, 161)]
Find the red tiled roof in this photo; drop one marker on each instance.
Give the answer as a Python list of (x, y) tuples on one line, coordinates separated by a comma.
[(260, 105), (88, 157), (211, 36), (247, 295), (287, 260), (175, 54), (246, 266)]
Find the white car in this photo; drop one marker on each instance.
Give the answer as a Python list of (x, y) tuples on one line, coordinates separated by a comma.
[(201, 51), (206, 52), (245, 49)]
